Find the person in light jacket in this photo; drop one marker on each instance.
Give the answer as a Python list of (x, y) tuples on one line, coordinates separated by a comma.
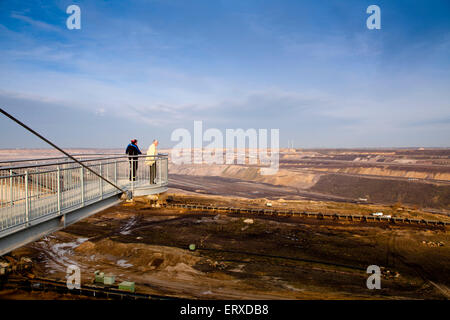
[(151, 160)]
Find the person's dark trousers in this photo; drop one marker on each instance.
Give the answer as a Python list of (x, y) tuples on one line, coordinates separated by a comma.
[(152, 173), (133, 168)]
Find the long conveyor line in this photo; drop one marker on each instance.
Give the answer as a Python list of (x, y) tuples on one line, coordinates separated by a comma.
[(43, 284), (317, 215)]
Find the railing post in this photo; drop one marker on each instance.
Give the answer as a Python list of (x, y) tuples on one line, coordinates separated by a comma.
[(26, 198), (58, 188), (11, 186), (132, 175), (160, 169), (107, 173), (82, 185), (115, 171), (101, 182)]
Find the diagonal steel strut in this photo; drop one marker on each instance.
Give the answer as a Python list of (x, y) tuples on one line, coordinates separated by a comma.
[(61, 150)]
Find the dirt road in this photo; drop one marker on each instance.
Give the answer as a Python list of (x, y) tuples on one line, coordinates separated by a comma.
[(246, 189)]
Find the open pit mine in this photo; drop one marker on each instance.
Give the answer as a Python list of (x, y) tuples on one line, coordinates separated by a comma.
[(200, 231)]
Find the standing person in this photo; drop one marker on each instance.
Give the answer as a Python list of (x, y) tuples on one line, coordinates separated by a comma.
[(133, 151), (150, 161)]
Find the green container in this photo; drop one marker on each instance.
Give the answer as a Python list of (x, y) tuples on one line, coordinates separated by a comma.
[(109, 279), (99, 276), (126, 286)]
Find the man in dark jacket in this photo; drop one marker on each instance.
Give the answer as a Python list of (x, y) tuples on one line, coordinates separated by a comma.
[(133, 151)]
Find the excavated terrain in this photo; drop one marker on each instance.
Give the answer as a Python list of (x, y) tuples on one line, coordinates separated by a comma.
[(414, 177), (244, 256), (250, 256)]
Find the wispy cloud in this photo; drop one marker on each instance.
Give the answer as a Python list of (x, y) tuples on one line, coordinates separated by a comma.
[(288, 65), (35, 23)]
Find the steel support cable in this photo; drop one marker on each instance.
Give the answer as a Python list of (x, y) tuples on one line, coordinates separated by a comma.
[(61, 150)]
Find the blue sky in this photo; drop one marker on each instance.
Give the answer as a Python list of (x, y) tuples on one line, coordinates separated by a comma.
[(144, 68)]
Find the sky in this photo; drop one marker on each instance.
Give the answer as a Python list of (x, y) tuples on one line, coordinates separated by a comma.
[(141, 69)]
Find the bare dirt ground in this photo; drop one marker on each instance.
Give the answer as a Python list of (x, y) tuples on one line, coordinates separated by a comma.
[(270, 258), (411, 177)]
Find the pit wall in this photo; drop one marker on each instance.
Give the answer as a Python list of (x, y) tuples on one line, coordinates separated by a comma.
[(283, 177)]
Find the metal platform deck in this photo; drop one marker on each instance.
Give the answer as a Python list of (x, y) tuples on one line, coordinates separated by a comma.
[(39, 198)]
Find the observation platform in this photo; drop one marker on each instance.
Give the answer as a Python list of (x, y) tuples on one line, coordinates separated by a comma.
[(41, 196)]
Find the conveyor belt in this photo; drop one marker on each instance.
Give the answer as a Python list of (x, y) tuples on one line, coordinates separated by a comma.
[(42, 284), (306, 214)]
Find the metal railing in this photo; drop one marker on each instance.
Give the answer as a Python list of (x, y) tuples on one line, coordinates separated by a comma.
[(32, 192), (34, 161)]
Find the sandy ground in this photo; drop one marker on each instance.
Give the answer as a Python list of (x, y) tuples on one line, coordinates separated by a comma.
[(236, 258)]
